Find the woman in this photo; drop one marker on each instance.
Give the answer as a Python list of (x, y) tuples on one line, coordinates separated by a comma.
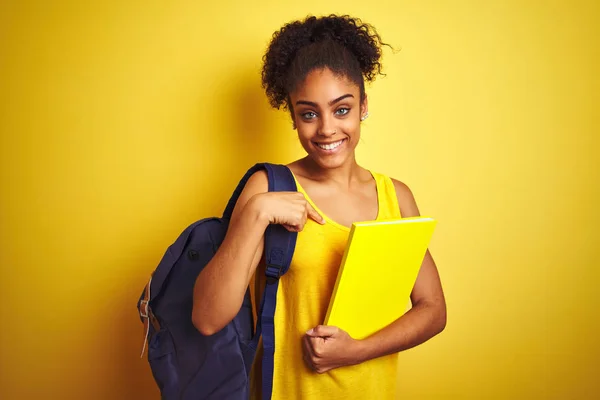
[(316, 68)]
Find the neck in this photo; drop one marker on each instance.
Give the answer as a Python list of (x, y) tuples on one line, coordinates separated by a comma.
[(344, 175)]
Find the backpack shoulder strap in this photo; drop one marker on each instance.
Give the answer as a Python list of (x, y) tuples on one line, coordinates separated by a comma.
[(279, 249), (279, 242)]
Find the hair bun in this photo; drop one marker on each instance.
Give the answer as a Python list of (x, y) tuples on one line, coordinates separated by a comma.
[(359, 39)]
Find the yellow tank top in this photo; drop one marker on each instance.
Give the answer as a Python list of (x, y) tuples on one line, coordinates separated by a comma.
[(302, 301)]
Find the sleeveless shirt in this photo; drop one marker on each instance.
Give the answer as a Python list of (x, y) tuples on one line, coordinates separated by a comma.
[(302, 301)]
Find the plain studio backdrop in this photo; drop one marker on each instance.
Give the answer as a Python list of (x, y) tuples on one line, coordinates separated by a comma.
[(123, 122)]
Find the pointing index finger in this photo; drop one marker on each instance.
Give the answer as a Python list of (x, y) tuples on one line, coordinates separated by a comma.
[(314, 215)]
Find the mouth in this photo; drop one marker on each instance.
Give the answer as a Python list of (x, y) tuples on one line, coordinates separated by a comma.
[(331, 147)]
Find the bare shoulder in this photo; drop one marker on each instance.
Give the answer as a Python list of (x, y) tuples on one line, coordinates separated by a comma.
[(406, 199), (257, 183)]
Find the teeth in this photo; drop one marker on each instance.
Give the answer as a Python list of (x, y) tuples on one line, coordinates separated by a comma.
[(330, 146)]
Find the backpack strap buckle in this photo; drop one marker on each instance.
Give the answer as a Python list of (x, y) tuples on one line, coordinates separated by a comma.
[(147, 315), (144, 308), (273, 273)]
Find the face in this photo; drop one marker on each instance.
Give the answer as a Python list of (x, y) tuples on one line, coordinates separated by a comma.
[(327, 112)]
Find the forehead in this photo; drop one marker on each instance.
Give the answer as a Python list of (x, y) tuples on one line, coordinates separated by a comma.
[(322, 85)]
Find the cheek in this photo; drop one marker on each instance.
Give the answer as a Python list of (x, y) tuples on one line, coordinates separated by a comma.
[(304, 138), (352, 128), (306, 132)]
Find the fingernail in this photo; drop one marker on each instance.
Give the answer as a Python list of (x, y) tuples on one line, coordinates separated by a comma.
[(309, 332)]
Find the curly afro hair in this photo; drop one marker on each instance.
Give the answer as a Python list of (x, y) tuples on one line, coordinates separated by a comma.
[(345, 45)]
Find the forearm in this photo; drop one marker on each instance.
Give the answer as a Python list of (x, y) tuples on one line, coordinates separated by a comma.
[(419, 324), (220, 288)]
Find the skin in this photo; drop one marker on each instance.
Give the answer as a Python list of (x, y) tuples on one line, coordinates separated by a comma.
[(326, 109)]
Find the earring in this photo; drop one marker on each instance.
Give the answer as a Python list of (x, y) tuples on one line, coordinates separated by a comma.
[(365, 116)]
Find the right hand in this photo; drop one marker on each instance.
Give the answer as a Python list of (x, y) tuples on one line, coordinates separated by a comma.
[(290, 209)]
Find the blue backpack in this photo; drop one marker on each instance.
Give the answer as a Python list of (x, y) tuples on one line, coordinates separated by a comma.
[(185, 364)]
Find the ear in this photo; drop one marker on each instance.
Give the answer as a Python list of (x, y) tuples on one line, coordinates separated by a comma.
[(364, 106)]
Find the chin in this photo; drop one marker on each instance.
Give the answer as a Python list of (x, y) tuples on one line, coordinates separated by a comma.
[(328, 163), (331, 162)]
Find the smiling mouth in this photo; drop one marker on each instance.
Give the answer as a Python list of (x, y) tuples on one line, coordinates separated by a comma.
[(329, 146)]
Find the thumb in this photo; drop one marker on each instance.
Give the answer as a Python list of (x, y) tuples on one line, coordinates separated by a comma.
[(323, 331)]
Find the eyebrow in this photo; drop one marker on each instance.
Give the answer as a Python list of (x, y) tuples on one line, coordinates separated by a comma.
[(332, 102)]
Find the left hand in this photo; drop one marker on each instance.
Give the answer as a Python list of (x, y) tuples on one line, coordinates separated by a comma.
[(329, 347)]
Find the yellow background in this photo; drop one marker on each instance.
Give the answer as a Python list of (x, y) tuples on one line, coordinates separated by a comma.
[(122, 122)]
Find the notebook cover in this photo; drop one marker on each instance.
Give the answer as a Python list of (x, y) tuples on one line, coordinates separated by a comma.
[(378, 272)]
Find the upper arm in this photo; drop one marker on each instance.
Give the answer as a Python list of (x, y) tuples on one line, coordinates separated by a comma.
[(428, 287), (257, 183)]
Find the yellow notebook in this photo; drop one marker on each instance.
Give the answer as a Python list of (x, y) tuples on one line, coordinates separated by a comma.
[(378, 272)]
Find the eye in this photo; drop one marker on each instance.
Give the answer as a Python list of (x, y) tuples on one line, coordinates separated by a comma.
[(308, 115), (342, 111)]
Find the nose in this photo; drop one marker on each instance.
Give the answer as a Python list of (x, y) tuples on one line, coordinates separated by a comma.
[(327, 127)]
